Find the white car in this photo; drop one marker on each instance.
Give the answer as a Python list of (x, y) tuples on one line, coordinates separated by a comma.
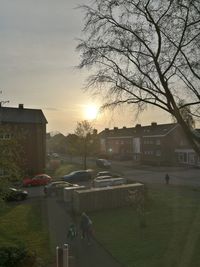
[(104, 181), (103, 163), (52, 188)]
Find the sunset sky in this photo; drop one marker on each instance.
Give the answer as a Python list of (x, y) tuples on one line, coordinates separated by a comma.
[(37, 65)]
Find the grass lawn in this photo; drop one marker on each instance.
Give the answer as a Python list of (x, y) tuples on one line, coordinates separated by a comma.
[(23, 223), (171, 237)]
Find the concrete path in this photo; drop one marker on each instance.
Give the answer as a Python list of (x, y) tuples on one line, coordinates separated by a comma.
[(85, 255)]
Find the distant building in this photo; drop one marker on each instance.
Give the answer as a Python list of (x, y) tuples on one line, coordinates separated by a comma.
[(31, 125), (157, 144)]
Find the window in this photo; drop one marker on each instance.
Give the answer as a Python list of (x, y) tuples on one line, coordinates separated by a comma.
[(158, 153), (182, 157), (158, 142), (191, 158), (148, 142), (182, 142), (148, 152), (5, 136)]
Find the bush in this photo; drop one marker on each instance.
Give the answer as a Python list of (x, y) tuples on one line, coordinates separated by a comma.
[(12, 256)]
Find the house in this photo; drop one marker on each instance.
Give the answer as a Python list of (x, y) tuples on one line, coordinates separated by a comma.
[(30, 127), (157, 144)]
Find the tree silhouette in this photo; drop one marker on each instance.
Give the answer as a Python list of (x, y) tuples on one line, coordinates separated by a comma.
[(145, 53)]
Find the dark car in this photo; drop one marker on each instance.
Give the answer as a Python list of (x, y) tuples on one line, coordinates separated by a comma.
[(78, 176), (103, 163), (14, 194), (51, 188)]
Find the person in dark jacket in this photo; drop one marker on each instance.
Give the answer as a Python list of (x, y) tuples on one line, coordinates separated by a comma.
[(167, 178), (86, 227)]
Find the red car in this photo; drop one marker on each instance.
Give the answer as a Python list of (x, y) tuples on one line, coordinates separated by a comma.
[(40, 179)]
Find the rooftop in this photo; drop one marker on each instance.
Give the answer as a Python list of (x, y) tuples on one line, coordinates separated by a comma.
[(148, 130), (21, 115)]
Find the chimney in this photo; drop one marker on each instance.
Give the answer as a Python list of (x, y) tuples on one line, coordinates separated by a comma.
[(153, 124), (21, 106), (124, 127), (95, 131), (138, 126), (106, 129), (115, 128)]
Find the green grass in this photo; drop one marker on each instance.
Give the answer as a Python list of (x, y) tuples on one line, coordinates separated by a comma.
[(23, 223), (67, 168), (171, 237)]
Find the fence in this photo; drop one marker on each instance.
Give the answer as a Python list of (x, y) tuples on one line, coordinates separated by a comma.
[(104, 198)]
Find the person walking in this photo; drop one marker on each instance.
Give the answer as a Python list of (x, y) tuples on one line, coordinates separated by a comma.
[(86, 227), (167, 178)]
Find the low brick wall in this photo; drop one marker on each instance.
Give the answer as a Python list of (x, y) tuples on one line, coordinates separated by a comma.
[(104, 198)]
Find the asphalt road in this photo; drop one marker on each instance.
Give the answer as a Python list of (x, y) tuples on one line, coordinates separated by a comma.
[(178, 176), (148, 174)]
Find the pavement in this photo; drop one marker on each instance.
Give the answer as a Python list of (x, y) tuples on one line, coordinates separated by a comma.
[(81, 254)]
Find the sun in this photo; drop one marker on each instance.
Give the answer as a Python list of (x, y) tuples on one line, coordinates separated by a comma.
[(91, 112)]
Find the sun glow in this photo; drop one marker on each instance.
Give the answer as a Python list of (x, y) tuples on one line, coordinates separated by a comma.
[(91, 112)]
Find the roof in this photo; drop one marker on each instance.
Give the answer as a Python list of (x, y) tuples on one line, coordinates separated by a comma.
[(146, 131), (21, 115), (158, 130), (117, 132)]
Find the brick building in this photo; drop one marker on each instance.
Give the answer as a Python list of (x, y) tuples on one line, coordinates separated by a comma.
[(161, 144), (30, 125)]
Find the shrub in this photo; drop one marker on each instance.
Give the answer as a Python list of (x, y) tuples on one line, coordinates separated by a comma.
[(12, 256)]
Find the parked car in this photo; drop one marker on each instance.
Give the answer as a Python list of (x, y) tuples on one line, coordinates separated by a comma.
[(103, 163), (78, 176), (106, 173), (51, 188), (104, 181), (55, 155), (40, 179), (14, 194)]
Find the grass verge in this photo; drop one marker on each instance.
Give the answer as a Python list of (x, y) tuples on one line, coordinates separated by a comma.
[(23, 223)]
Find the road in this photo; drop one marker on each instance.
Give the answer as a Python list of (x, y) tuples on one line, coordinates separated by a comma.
[(147, 174)]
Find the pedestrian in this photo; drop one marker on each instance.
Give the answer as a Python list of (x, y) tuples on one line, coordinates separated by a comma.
[(86, 227), (72, 233), (167, 178)]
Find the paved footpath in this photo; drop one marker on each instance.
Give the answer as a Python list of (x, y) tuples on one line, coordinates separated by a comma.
[(85, 255)]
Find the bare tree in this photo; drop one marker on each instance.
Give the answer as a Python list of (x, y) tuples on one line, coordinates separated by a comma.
[(145, 52), (84, 131)]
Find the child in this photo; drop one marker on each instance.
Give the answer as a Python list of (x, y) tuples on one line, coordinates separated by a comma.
[(72, 233)]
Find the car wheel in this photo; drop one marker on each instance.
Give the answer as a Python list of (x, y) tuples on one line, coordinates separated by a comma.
[(19, 198)]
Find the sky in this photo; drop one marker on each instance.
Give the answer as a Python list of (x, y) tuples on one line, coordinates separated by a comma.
[(38, 60)]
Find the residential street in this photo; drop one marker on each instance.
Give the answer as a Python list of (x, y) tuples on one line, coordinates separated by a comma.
[(59, 219), (148, 174)]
